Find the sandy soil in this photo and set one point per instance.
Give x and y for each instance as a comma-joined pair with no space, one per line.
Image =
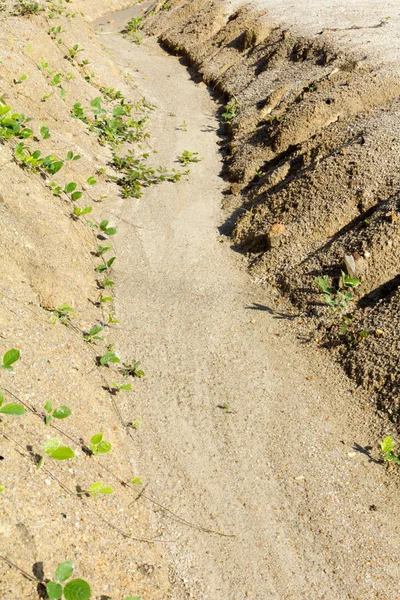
288,469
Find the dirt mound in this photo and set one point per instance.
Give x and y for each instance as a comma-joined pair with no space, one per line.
314,157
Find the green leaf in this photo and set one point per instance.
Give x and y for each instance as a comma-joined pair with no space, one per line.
1,398
63,453
96,487
132,598
54,590
64,570
71,187
12,409
104,447
48,419
11,357
77,589
62,412
70,155
51,445
96,439
388,444
107,490
40,463
136,481
109,357
95,330
75,196
91,181
48,407
44,132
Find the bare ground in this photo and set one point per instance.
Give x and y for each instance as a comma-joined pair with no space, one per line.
289,472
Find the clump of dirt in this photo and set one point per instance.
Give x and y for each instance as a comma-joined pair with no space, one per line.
314,157
50,65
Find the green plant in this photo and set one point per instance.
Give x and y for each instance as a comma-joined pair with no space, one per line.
75,589
61,412
133,25
387,446
72,156
230,110
118,387
2,488
104,228
189,157
183,126
111,319
91,181
73,52
92,335
9,358
136,481
63,312
106,283
103,249
54,449
21,79
134,424
26,7
105,266
34,160
105,298
132,369
109,357
11,408
45,132
13,124
80,212
98,445
336,299
99,488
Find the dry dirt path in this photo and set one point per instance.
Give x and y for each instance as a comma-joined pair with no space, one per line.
312,517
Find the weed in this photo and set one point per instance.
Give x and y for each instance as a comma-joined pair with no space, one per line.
336,299
387,446
231,110
11,408
109,357
9,358
21,79
34,161
104,228
189,157
80,212
26,7
45,132
99,488
103,249
133,25
61,412
64,312
132,369
105,266
118,387
54,449
75,589
13,124
136,481
98,445
93,336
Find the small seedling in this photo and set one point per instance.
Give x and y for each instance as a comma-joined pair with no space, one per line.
231,110
10,357
105,266
21,79
112,319
103,249
80,212
106,283
109,357
2,488
54,449
45,132
134,424
106,229
118,387
136,481
98,445
72,156
75,589
387,446
99,488
61,412
189,157
11,408
227,408
132,369
105,298
183,126
92,335
63,312
336,299
91,181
